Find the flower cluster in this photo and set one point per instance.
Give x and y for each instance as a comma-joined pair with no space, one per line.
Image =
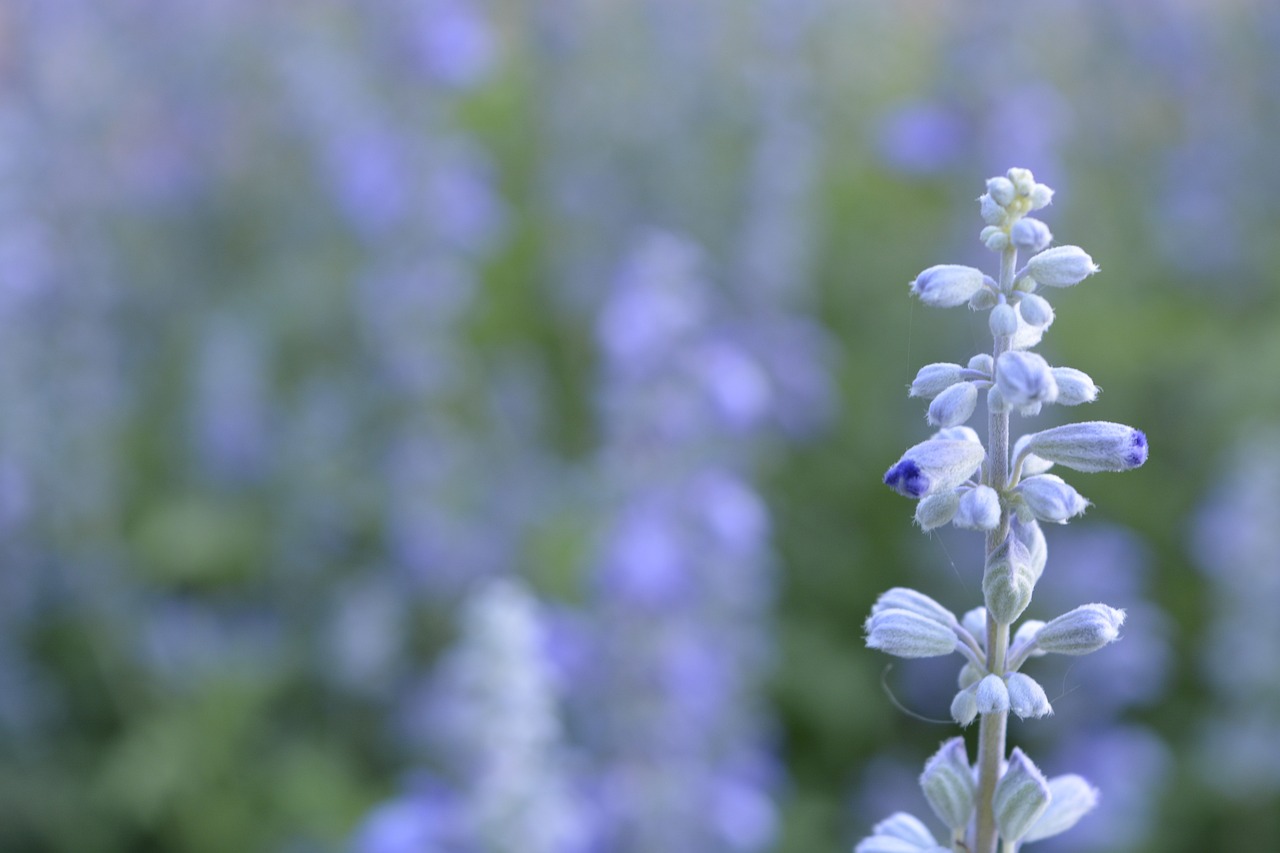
1006,490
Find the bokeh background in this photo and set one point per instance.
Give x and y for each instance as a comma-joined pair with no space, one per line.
457,425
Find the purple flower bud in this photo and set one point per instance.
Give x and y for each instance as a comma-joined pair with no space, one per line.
906,634
948,784
1072,797
1078,632
1091,446
949,285
1049,498
1061,266
954,406
978,509
1025,378
1026,697
1030,235
1021,797
933,466
932,379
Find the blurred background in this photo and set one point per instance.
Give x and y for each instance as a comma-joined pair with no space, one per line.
457,425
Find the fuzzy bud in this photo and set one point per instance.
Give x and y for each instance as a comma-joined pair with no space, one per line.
949,285
1023,181
1001,190
969,675
1025,378
932,379
903,827
1050,498
954,406
1078,632
996,401
933,466
1041,196
1027,697
1007,582
1061,266
958,433
964,707
937,509
1021,797
992,695
982,363
1026,636
994,238
906,634
1032,538
903,598
979,509
1030,235
1036,310
1003,320
983,300
1074,386
948,784
990,210
1072,797
975,621
1091,446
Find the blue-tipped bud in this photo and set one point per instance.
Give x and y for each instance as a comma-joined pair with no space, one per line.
992,695
932,379
1047,497
1025,378
937,509
1061,266
1091,446
948,784
1021,797
1071,798
933,466
954,406
906,634
904,827
1035,310
979,509
904,598
1030,235
1078,632
949,285
1026,697
964,707
1001,190
1074,386
1003,320
1007,582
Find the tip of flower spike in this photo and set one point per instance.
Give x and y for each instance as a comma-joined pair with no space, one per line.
1137,449
907,479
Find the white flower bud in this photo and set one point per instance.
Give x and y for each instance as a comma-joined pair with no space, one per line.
992,695
975,622
1078,632
1030,235
990,210
948,285
983,300
932,379
969,675
979,509
948,784
1026,636
1071,798
934,466
1041,196
1025,378
1091,446
1061,266
996,401
937,510
1032,538
1036,310
957,433
964,707
1002,190
982,362
954,406
1074,386
905,827
1050,498
1021,797
1007,581
1026,697
904,598
908,635
1023,181
995,239
1003,320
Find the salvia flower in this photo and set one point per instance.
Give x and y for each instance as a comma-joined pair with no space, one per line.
932,379
949,285
1025,378
1061,266
954,406
908,634
1022,796
937,509
1091,446
1074,386
1026,697
1035,310
948,784
1047,497
1078,632
992,695
1071,798
1008,581
1030,235
934,465
978,509
900,833
902,598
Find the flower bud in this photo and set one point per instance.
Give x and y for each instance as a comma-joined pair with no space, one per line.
1061,266
982,362
1008,581
948,785
990,210
1091,446
1026,697
932,379
1049,498
992,695
996,401
1027,335
1036,310
1074,386
964,707
908,635
1001,190
1026,636
983,300
975,622
1032,538
969,675
937,509
903,598
1030,235
954,406
979,509
1078,632
1003,320
1071,798
1021,797
994,239
1041,196
933,466
958,433
1025,378
904,827
1023,181
948,285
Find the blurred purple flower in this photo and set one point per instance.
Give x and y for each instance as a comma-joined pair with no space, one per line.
921,138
